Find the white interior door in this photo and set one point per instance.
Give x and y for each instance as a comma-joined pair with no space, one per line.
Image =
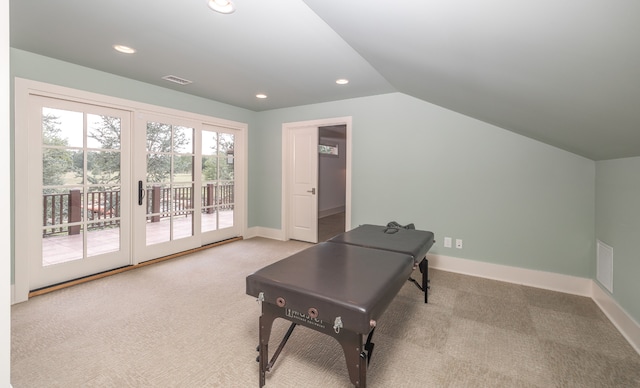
78,190
303,168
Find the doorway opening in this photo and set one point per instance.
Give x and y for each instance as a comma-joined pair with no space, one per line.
316,200
332,168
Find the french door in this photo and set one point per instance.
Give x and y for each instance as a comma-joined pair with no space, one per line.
79,190
186,185
102,185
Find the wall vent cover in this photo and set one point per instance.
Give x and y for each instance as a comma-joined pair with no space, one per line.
605,265
177,80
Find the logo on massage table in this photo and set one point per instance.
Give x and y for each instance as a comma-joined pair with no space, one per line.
304,318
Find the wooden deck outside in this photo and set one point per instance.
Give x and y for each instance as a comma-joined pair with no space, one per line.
60,249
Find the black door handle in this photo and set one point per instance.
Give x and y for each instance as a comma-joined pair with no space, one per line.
140,193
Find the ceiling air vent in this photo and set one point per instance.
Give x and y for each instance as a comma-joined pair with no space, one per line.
178,80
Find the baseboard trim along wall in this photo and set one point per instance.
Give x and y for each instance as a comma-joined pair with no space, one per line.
330,212
527,277
628,327
259,231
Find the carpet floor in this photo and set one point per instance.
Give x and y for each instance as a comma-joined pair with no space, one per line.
187,322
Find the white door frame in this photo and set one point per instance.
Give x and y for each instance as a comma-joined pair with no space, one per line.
286,173
23,88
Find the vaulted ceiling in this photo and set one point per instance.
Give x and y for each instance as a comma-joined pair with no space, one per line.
564,72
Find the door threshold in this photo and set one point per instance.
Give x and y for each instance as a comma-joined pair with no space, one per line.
86,279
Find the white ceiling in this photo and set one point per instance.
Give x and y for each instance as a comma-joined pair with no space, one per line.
565,72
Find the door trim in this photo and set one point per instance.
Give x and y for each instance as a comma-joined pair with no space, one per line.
286,159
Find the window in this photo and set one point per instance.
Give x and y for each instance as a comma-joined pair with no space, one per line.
328,149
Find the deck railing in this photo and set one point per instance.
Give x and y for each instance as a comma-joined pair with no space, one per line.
103,207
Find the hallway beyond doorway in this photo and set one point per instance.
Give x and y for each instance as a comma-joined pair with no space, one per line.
329,226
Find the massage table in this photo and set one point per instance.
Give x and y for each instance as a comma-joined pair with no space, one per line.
415,243
340,288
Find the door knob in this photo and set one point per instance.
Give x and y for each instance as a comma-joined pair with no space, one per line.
312,191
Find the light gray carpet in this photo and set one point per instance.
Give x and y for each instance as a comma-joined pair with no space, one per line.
187,322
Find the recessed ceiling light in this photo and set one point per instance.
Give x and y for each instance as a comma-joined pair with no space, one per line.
261,95
222,6
342,81
124,49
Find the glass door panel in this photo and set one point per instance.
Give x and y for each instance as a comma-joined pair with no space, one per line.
80,182
188,187
217,195
82,150
170,182
103,219
62,225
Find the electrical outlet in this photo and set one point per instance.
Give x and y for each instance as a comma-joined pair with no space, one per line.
459,243
447,242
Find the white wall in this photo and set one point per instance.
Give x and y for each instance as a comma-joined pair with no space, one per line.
5,199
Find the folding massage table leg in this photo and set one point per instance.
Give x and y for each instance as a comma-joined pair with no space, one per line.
356,352
424,286
424,268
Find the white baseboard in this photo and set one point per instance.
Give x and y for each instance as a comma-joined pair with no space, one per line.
627,326
17,297
330,212
259,231
528,277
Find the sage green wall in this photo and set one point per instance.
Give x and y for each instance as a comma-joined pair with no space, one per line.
513,200
618,225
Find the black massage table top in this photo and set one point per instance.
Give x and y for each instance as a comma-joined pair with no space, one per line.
415,243
337,280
